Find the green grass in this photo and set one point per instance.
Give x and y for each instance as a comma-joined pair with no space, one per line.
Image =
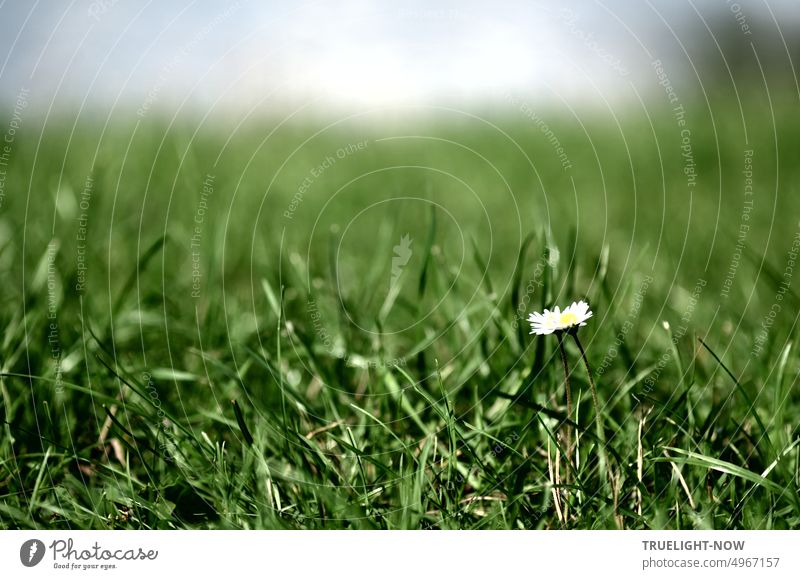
297,386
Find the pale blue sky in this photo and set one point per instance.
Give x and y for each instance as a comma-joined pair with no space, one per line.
160,54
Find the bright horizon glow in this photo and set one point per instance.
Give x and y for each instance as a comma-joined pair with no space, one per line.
356,53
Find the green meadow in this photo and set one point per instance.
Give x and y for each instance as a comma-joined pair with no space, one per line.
315,321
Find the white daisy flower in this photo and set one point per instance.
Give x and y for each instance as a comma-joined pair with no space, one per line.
557,321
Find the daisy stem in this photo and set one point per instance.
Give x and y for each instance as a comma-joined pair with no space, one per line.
598,414
591,381
568,429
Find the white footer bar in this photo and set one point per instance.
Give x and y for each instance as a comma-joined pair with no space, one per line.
379,554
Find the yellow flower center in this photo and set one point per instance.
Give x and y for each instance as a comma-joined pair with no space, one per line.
568,319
